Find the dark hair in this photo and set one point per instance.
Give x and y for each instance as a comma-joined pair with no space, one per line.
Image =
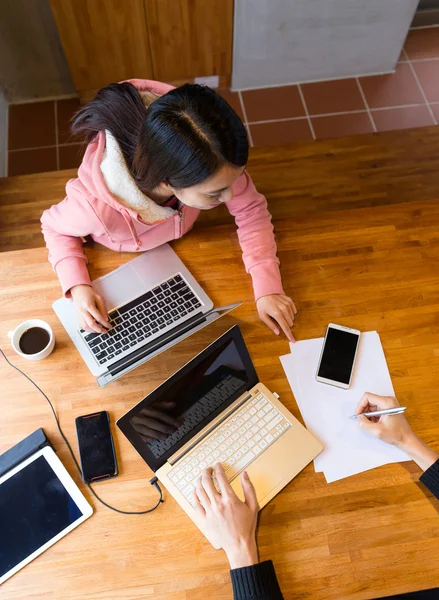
182,138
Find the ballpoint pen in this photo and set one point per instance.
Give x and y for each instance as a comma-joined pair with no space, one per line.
378,413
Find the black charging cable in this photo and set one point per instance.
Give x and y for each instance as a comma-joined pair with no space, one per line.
153,481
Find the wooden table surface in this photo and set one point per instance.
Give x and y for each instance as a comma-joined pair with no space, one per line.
357,225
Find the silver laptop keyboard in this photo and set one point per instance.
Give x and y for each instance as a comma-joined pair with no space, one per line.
235,444
200,411
140,320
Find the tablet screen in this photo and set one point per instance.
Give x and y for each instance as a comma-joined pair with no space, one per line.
34,508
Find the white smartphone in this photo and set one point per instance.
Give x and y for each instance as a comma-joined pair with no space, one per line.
337,359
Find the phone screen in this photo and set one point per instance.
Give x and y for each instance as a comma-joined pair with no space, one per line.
338,355
98,458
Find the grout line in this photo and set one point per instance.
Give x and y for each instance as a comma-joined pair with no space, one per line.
371,119
78,143
334,114
420,60
404,54
277,85
32,148
244,112
55,104
398,106
45,99
305,108
283,120
45,147
249,135
348,112
421,89
424,27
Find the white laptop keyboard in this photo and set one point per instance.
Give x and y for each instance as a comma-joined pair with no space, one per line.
235,444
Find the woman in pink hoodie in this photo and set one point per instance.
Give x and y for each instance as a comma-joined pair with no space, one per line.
156,156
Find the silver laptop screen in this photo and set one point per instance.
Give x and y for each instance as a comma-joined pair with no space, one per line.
181,407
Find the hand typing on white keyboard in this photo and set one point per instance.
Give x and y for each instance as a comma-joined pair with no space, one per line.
226,520
236,443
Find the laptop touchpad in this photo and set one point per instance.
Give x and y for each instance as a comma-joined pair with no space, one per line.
120,286
264,474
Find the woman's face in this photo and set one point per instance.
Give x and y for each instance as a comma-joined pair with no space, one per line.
213,192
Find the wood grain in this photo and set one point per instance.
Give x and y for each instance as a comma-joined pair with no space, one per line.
167,40
104,41
190,38
357,229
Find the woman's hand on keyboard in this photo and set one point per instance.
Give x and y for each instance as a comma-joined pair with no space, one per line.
90,308
277,310
226,520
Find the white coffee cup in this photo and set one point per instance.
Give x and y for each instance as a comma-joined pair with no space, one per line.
15,336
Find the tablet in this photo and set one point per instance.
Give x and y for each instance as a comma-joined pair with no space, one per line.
39,504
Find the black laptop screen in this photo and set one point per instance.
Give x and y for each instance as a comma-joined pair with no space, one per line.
164,421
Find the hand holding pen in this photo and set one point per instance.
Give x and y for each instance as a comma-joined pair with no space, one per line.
383,418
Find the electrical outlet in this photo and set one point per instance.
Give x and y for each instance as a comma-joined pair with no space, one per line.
212,81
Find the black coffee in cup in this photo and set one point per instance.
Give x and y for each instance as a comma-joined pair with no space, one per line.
34,340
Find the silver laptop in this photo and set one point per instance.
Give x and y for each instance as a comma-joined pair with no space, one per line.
153,301
215,409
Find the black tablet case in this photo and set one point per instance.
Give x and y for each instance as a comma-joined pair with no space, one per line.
18,453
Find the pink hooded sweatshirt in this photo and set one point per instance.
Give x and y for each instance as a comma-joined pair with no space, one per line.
104,202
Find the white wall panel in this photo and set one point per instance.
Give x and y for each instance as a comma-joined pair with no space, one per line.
289,41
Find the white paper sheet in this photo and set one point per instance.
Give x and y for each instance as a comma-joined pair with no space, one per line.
326,409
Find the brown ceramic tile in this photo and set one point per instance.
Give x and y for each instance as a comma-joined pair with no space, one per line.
341,125
65,111
31,125
273,103
428,74
422,43
280,133
341,95
435,109
402,118
233,99
70,157
38,160
395,89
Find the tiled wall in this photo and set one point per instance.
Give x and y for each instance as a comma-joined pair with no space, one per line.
407,98
39,138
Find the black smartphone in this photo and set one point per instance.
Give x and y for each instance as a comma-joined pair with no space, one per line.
338,355
96,447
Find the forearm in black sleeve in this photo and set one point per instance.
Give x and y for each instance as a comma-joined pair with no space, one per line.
430,478
258,582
